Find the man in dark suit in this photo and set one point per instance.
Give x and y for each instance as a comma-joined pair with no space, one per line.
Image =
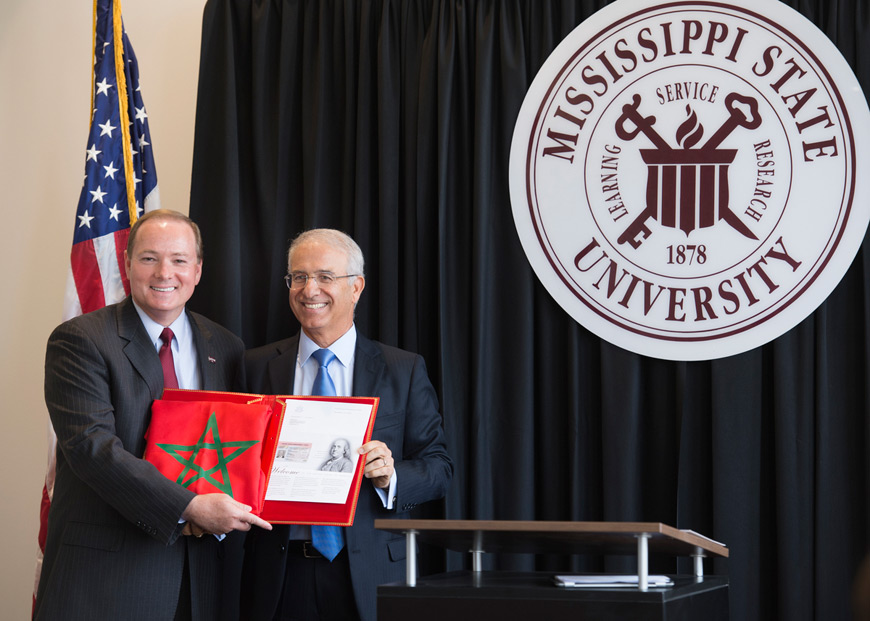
115,548
286,576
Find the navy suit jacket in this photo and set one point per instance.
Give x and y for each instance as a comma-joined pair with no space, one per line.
407,421
113,549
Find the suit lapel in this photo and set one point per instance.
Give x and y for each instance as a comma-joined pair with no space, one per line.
282,368
202,338
139,349
368,367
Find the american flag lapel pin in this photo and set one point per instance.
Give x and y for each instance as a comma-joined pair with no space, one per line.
211,359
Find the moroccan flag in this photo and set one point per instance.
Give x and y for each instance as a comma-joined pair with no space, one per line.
211,446
120,183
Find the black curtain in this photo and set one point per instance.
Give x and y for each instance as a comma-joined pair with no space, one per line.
392,120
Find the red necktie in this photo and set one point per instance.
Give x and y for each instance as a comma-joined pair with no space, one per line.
166,361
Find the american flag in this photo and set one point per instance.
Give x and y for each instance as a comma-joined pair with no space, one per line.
120,184
120,180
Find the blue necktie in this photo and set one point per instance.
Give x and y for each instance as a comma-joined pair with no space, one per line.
328,540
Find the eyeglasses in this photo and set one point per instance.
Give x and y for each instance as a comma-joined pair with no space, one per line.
298,280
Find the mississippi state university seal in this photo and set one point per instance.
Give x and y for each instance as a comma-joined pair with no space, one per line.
685,177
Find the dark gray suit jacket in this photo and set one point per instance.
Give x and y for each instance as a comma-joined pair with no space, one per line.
407,421
113,549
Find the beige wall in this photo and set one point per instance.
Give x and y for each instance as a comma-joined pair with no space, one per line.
45,74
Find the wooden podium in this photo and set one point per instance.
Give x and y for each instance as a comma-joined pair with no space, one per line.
519,595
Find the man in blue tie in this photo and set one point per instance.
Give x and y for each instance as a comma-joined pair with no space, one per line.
295,572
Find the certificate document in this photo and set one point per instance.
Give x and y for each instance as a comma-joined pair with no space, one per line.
316,454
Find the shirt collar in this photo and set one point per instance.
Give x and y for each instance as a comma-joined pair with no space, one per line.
180,327
343,348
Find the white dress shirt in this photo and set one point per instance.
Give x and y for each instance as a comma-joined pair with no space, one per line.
183,347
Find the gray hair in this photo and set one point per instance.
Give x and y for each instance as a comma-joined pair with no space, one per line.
338,240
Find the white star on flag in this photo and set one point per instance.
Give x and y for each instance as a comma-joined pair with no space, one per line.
97,194
107,129
85,220
103,87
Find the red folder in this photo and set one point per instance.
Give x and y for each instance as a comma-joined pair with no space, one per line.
239,418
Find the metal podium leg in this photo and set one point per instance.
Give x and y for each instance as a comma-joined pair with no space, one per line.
643,561
411,558
477,553
698,558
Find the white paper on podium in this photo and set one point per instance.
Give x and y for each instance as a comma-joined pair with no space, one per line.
609,580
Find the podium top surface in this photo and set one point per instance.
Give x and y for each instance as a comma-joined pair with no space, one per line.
555,537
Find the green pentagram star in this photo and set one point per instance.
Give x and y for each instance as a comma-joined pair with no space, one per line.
175,450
